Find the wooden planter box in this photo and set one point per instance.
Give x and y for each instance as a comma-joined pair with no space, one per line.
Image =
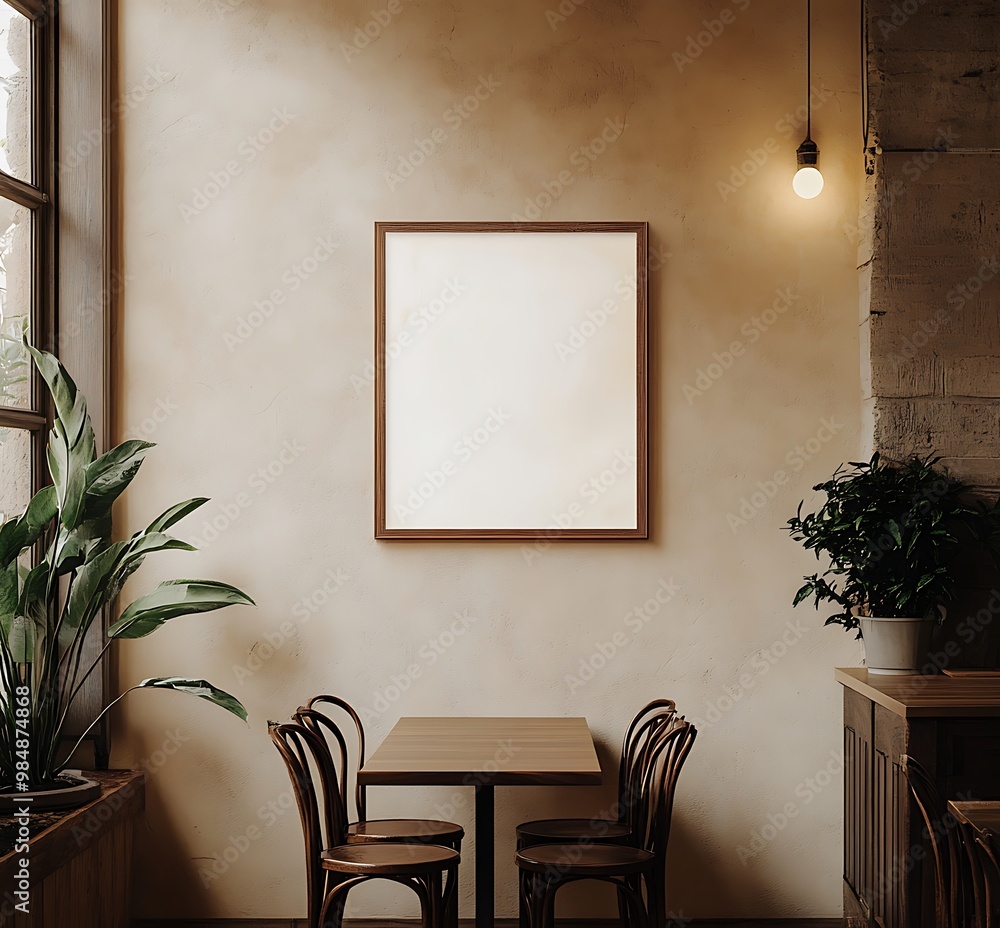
80,861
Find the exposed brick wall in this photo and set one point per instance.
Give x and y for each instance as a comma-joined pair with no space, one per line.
930,250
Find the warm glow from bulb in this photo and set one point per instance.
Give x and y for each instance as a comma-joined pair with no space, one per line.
808,182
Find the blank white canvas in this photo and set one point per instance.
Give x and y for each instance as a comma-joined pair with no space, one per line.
511,390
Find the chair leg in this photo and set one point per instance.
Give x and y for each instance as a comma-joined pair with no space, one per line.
523,895
450,898
536,900
549,904
332,913
624,909
656,898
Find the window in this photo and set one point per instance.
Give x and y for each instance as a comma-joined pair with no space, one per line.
57,138
27,254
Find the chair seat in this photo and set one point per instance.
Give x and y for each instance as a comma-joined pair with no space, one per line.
583,859
395,859
563,830
404,831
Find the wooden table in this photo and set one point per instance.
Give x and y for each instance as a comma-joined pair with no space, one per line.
485,753
984,817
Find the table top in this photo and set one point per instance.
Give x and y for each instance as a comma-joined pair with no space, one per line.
983,816
926,696
487,751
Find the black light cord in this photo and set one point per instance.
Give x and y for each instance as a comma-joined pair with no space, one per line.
809,69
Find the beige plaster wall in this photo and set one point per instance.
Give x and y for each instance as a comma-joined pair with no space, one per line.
254,169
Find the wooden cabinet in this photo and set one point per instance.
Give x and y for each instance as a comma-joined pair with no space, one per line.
79,862
952,727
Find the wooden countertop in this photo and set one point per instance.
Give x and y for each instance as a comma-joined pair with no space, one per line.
920,696
495,751
58,837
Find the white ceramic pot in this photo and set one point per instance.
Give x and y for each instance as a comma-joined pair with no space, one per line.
896,646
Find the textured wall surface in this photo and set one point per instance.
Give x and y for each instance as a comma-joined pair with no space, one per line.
935,273
931,260
269,137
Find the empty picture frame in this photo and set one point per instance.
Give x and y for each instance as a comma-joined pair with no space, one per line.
511,380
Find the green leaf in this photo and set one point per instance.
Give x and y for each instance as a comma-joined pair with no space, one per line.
175,513
100,579
81,544
200,688
894,531
173,599
804,593
21,640
8,589
111,473
16,535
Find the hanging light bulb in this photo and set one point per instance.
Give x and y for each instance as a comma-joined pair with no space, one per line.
808,181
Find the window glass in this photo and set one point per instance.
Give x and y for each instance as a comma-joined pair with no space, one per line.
15,302
15,93
15,472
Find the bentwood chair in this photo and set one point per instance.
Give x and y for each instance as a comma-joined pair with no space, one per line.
319,716
606,830
636,869
986,844
333,867
955,886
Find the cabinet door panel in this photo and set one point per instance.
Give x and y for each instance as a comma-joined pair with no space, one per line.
857,793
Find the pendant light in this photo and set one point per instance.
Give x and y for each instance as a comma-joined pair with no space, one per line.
808,182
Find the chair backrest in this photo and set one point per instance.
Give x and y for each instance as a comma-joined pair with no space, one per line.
668,748
952,893
318,797
635,747
332,707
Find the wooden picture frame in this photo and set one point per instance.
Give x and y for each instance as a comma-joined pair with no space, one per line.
511,380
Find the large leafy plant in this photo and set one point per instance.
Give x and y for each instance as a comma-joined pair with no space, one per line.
59,570
893,532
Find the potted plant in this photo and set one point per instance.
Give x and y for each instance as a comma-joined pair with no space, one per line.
893,532
59,570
